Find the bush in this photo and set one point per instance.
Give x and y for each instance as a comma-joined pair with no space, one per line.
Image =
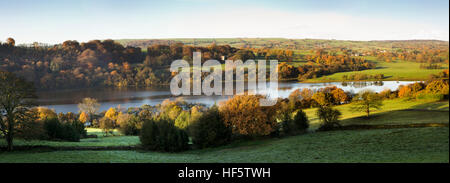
56,130
210,130
162,135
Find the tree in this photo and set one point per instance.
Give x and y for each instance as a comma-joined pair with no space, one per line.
245,116
11,42
46,113
111,114
107,125
183,120
323,98
16,99
209,130
83,117
89,106
329,117
366,100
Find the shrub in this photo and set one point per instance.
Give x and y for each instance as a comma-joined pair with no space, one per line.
61,131
210,130
329,117
162,135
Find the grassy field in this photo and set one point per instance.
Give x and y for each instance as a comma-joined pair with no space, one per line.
387,145
428,144
396,111
393,71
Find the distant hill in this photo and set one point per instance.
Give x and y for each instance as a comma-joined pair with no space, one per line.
297,44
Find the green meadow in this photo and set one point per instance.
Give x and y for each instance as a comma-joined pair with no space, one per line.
393,71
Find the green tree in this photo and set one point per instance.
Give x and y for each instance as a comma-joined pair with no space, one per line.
329,117
16,99
366,100
183,120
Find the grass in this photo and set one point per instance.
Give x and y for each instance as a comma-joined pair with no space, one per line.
101,141
393,145
393,112
429,144
393,71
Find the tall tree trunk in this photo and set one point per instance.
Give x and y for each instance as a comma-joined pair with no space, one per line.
367,111
9,140
10,134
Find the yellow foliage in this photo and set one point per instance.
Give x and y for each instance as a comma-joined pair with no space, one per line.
83,117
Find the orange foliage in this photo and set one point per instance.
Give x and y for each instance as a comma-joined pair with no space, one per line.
246,117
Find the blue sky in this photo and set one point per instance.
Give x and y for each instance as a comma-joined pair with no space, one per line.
53,21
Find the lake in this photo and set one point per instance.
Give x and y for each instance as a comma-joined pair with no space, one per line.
67,100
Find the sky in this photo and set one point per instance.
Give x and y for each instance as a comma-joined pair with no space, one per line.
54,21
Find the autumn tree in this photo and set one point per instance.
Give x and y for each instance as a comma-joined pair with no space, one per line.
365,101
112,114
16,99
89,106
45,113
10,42
84,117
245,116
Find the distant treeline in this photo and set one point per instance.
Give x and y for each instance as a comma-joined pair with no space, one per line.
108,63
324,63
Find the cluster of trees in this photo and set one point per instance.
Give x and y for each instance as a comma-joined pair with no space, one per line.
108,63
424,54
282,55
361,76
332,95
323,63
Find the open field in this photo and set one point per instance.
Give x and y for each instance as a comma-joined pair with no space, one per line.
393,112
393,71
428,144
387,145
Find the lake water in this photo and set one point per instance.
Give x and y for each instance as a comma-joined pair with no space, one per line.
67,100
